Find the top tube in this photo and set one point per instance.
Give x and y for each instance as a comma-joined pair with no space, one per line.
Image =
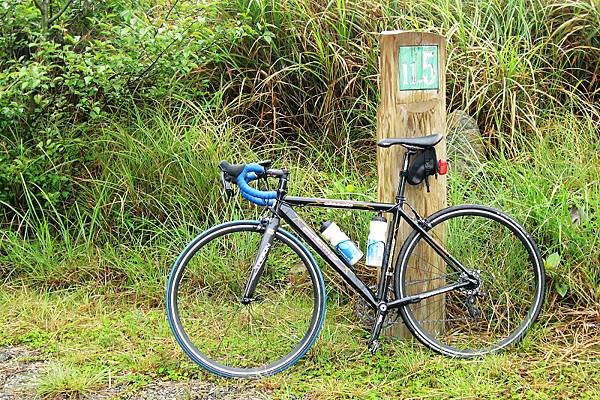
341,204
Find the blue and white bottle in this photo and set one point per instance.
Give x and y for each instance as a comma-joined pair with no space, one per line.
342,243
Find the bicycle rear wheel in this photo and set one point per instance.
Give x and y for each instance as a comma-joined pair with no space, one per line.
232,339
477,320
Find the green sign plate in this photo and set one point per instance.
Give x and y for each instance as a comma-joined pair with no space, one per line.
418,67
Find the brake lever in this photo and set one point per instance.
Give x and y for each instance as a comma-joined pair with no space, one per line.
263,183
226,185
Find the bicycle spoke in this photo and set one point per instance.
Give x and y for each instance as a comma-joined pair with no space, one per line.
479,317
245,335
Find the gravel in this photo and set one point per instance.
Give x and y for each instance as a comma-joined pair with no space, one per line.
20,366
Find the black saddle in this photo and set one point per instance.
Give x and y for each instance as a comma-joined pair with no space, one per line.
414,143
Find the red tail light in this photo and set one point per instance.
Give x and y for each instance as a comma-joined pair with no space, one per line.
442,167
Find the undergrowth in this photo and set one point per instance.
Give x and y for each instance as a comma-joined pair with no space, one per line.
114,120
156,186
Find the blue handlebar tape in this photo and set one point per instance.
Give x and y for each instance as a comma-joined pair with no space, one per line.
257,201
259,197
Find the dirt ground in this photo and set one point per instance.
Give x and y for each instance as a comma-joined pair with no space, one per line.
20,367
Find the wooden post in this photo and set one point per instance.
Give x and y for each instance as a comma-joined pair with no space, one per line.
413,103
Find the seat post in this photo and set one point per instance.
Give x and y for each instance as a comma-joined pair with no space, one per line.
402,185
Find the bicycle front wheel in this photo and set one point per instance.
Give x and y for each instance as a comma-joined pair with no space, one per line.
232,339
482,318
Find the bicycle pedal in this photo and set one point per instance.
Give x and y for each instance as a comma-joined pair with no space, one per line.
373,346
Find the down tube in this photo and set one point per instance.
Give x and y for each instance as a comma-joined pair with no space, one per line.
310,236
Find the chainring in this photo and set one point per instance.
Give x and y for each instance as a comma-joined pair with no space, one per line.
366,315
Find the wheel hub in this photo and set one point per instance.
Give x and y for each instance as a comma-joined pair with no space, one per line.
475,282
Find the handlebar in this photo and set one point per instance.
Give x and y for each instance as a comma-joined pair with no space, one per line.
252,172
243,174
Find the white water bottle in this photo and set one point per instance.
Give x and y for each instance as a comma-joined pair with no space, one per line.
342,243
376,241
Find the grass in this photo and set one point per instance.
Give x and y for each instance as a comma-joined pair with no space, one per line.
68,381
156,186
525,69
555,175
97,338
87,288
509,62
94,302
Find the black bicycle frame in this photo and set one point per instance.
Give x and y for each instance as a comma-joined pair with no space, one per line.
343,268
283,209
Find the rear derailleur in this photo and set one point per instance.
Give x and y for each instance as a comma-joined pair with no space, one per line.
472,292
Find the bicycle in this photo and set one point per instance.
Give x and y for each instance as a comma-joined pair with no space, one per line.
247,298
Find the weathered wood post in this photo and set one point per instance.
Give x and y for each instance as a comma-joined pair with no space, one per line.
413,103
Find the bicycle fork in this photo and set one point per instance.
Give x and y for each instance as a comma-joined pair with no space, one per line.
259,261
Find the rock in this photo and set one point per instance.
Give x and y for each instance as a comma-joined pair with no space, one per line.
19,366
578,215
196,390
466,146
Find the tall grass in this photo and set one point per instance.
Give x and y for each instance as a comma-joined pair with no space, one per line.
314,64
156,185
298,83
153,186
552,186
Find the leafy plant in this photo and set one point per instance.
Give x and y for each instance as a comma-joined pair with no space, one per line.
38,169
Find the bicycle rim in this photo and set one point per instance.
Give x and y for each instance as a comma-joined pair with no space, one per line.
232,339
482,319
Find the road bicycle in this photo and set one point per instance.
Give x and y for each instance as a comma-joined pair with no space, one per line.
247,298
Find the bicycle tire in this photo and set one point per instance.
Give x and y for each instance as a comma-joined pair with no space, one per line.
469,323
198,331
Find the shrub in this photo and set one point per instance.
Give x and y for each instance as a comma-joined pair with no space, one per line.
35,174
69,76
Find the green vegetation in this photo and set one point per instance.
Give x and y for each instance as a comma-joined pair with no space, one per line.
114,115
121,339
68,380
558,175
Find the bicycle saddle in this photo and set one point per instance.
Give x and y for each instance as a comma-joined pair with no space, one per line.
417,142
